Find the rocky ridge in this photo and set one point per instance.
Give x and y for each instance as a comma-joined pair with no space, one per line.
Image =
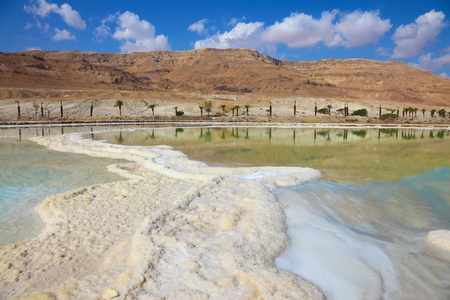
228,72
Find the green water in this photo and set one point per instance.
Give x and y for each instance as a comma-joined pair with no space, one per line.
345,155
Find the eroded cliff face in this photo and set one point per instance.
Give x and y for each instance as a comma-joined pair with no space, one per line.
231,71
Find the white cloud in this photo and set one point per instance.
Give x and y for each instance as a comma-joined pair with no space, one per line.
103,31
361,28
444,75
32,48
426,62
411,39
301,30
138,35
61,35
198,27
71,17
42,9
382,51
28,26
234,21
242,35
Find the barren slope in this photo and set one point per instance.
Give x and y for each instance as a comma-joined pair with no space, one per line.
231,71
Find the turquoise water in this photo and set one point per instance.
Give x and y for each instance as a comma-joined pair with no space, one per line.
368,241
29,173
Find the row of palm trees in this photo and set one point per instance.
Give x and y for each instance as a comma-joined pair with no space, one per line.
207,106
412,112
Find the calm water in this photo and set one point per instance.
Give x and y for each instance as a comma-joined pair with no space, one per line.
29,173
360,232
341,154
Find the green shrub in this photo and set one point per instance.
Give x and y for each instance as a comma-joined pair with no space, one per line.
180,113
389,117
323,110
360,112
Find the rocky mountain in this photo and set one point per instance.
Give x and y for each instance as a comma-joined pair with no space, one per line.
231,71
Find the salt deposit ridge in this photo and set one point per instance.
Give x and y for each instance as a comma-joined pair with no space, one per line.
175,228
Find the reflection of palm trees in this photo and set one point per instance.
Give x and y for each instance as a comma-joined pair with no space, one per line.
293,136
208,136
323,133
269,132
235,132
119,139
246,134
223,133
150,136
178,130
360,133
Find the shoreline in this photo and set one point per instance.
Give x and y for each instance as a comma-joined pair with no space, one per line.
208,213
336,123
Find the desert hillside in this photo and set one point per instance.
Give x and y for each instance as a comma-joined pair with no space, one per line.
231,72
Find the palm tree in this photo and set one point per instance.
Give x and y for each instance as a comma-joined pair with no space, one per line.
223,109
152,107
423,111
233,109
442,113
432,112
329,108
208,106
415,111
119,104
176,109
18,109
247,106
201,109
36,108
237,109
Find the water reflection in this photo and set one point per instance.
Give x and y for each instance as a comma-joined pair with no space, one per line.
362,155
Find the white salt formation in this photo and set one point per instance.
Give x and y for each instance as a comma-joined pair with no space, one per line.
175,229
440,238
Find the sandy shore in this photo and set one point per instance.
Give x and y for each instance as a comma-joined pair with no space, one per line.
175,228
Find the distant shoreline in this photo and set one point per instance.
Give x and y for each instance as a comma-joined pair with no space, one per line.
306,121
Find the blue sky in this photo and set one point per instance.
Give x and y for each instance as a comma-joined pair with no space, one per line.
416,32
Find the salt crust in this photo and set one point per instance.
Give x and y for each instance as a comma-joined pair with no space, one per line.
440,238
176,228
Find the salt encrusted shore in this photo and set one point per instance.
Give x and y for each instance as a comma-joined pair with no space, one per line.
175,228
440,238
